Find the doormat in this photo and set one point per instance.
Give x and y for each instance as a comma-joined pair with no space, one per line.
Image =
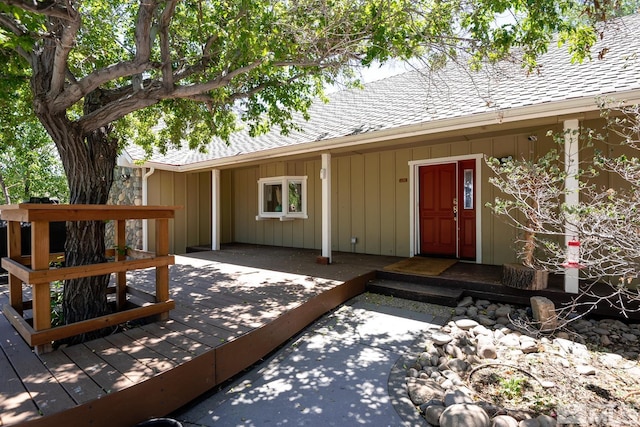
421,266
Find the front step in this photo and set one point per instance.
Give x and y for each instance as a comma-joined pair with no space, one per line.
415,291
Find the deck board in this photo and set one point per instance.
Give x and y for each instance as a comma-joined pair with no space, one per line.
15,401
124,362
105,375
160,345
78,384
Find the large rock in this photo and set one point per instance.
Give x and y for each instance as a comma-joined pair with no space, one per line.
485,348
504,421
422,390
544,312
464,414
433,413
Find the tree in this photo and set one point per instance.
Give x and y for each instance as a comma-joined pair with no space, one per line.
606,220
29,165
164,73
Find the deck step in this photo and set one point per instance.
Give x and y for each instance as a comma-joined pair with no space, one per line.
415,291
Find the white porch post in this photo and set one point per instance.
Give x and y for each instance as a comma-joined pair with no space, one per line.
571,161
325,176
145,201
215,209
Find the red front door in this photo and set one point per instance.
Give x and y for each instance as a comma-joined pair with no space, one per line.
437,216
447,210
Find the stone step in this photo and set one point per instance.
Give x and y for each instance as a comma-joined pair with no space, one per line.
415,291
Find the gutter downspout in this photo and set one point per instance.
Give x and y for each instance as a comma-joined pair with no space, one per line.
145,197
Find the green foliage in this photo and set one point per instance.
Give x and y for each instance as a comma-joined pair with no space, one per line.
263,61
29,165
512,388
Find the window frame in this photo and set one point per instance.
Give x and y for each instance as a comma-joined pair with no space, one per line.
285,214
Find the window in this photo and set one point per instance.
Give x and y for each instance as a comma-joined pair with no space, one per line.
468,189
283,197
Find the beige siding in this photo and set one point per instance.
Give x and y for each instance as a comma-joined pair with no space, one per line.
388,203
371,203
370,198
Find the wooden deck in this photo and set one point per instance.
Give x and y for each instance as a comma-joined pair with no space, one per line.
227,317
233,307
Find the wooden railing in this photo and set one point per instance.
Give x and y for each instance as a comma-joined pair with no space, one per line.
35,270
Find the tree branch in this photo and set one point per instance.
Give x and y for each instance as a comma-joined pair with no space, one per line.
51,8
165,49
74,92
221,81
70,27
13,27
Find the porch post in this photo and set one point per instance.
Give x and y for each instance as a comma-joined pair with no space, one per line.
215,210
145,201
571,161
325,176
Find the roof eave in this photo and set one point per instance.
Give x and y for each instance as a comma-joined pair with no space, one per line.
569,107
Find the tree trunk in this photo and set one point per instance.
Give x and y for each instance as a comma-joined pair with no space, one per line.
523,277
89,162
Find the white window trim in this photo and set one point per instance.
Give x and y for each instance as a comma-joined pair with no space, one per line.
285,215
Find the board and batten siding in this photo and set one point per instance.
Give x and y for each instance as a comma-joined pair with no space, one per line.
370,199
192,191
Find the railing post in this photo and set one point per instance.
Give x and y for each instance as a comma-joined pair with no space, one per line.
41,291
121,254
14,252
162,273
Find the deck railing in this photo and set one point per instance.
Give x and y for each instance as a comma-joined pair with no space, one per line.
35,270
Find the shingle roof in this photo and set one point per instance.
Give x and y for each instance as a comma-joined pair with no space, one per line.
415,97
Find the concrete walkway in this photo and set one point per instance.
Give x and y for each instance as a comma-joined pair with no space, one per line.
347,368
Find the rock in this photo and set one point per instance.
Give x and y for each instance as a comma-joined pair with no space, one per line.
454,351
456,396
610,360
421,391
504,421
481,330
433,413
466,302
463,414
586,370
544,312
531,422
472,311
485,348
630,337
456,365
529,347
546,421
503,311
491,410
502,321
466,323
459,311
510,340
486,320
440,338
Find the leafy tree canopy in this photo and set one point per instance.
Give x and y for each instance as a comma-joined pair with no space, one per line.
254,60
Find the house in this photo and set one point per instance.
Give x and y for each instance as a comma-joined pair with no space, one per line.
394,169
